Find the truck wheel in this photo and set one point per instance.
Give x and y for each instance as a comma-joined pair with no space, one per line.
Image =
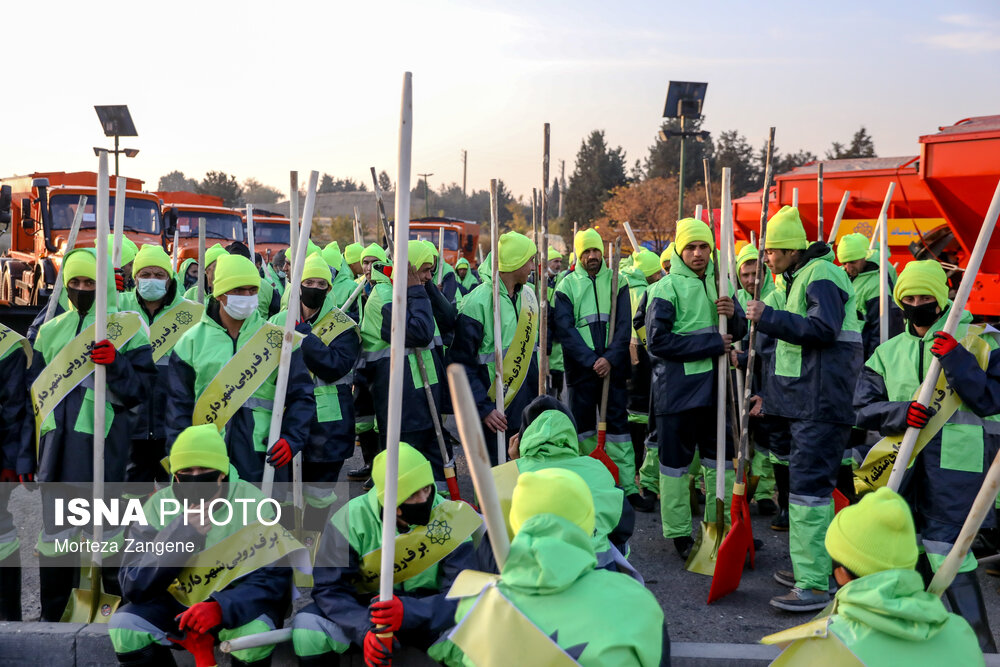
6,285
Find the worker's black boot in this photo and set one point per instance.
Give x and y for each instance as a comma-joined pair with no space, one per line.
966,599
56,578
154,655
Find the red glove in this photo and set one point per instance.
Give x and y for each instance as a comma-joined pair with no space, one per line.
201,646
917,415
386,615
943,344
280,454
200,617
119,280
26,478
378,652
103,353
8,475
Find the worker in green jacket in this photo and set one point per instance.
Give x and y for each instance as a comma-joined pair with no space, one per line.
882,615
466,278
548,439
224,369
330,350
645,271
948,471
581,323
352,255
157,298
665,257
422,337
428,559
817,360
474,345
187,274
62,448
212,254
342,285
189,601
682,336
550,600
861,265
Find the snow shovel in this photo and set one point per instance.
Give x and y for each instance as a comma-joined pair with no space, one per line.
93,605
738,544
600,453
706,547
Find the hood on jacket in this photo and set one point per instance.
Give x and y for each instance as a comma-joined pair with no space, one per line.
893,602
540,405
634,277
547,556
551,436
678,267
817,250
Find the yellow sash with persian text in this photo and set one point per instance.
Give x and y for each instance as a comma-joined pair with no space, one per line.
517,359
332,325
253,547
874,470
9,338
166,330
240,377
450,524
72,365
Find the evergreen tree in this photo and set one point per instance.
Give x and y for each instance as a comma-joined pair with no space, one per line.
599,169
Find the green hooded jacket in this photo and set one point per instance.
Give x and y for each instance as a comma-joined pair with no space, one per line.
887,618
551,442
598,617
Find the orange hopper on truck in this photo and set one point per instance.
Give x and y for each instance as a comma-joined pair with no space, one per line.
940,200
41,207
184,211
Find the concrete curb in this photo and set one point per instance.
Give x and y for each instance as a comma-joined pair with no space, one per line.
80,645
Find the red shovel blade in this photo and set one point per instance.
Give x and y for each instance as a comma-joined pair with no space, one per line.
733,551
601,455
840,501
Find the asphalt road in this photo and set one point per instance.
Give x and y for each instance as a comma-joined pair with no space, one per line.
742,617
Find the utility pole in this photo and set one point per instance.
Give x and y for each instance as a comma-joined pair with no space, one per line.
465,164
427,198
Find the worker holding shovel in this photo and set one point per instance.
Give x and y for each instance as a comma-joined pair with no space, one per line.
474,345
961,435
64,416
581,320
817,359
432,546
684,344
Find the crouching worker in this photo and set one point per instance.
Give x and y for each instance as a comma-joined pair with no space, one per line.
548,439
166,608
432,547
550,601
882,615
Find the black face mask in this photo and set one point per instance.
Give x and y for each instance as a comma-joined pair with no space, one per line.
189,281
313,297
197,488
417,514
923,315
82,300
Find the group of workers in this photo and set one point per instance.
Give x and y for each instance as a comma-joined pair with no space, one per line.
191,389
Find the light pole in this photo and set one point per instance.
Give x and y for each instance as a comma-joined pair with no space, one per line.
117,122
427,198
684,100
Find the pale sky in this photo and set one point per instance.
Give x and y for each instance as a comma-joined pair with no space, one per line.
259,88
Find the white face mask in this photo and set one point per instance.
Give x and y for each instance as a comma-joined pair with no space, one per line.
151,289
240,307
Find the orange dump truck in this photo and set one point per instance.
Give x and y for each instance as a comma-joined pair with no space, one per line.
936,211
183,212
460,236
42,206
271,232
